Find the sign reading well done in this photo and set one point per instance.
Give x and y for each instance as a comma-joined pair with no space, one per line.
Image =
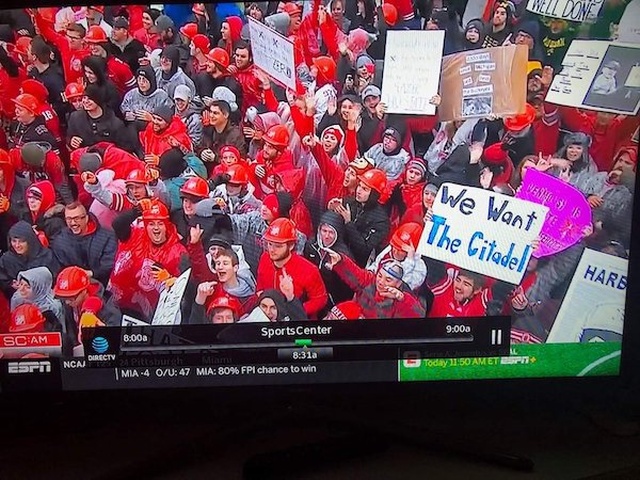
482,231
411,74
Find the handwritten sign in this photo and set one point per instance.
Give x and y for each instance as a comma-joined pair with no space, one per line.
593,308
485,81
598,75
482,231
571,10
273,53
168,310
128,321
411,74
569,212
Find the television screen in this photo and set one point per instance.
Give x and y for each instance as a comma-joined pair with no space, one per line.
279,193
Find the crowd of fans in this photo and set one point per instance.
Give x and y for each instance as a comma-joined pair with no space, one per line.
138,144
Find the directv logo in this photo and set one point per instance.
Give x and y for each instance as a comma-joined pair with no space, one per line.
100,344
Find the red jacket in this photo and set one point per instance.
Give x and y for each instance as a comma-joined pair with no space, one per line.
605,138
71,59
51,121
10,89
282,163
53,169
374,306
444,304
132,282
113,158
158,143
293,182
415,213
151,41
308,285
331,172
120,74
251,87
546,131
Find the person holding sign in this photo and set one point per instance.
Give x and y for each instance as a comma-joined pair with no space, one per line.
149,257
382,294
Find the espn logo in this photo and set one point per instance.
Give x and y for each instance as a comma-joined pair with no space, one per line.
33,366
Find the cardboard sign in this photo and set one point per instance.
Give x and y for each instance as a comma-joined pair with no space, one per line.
481,82
411,74
273,53
168,309
593,308
569,212
482,231
570,10
599,75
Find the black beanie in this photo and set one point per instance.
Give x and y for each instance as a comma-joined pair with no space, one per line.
94,92
148,73
172,163
285,201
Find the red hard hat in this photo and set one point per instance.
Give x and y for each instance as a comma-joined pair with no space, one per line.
281,230
26,318
219,56
407,234
189,30
96,34
35,88
390,14
375,179
22,45
201,42
196,187
519,122
28,101
238,174
223,301
138,176
277,136
292,9
74,90
326,66
70,282
157,211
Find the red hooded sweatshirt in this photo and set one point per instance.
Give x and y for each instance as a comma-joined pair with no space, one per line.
307,281
132,281
293,181
282,163
158,143
235,28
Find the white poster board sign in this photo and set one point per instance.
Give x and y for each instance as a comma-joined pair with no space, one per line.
482,231
168,309
571,10
629,26
128,321
593,308
273,53
411,74
599,75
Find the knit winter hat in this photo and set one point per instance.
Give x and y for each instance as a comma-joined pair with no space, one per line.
349,310
223,93
360,165
90,162
334,130
230,149
394,133
33,153
577,138
182,92
475,24
430,187
94,92
172,163
165,112
419,165
531,28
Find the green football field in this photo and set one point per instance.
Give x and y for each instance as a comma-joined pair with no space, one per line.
526,360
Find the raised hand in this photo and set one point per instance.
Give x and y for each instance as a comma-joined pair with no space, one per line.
332,257
89,177
205,290
195,234
286,285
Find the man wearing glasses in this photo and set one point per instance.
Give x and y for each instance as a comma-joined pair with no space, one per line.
85,243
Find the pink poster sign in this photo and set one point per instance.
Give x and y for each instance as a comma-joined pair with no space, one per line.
569,212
